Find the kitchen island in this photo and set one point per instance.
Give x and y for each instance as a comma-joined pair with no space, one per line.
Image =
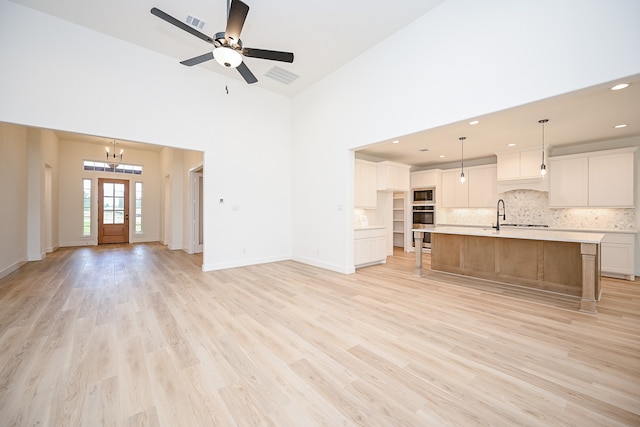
554,261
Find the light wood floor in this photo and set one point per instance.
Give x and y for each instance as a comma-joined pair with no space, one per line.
138,335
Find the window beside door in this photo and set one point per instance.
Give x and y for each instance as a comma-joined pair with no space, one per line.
138,224
86,208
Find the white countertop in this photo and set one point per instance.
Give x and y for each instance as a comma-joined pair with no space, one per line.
517,233
579,230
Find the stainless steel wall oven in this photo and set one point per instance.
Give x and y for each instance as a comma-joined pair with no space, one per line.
424,216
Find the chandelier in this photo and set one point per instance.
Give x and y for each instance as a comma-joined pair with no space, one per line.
114,156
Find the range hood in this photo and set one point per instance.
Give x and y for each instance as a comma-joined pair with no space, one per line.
520,170
537,184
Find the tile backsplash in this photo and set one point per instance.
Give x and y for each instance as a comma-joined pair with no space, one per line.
532,207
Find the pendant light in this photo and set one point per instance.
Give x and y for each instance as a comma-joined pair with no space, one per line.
543,167
462,138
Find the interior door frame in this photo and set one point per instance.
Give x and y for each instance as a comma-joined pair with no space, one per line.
196,202
102,239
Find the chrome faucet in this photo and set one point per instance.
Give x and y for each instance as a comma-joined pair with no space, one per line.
504,214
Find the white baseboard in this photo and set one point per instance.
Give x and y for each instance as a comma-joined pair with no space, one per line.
326,266
11,268
38,257
243,263
78,243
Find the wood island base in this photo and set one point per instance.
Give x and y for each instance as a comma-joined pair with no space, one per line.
570,268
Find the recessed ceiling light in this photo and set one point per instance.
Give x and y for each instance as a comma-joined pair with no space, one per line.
474,122
620,126
620,86
396,141
513,144
441,156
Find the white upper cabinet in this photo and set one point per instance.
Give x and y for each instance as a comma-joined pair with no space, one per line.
569,177
596,179
392,176
519,165
454,193
365,179
611,179
424,179
530,162
478,191
483,191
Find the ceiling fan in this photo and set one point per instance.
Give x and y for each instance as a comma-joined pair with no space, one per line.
228,49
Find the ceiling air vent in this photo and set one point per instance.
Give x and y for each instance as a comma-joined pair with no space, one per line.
195,22
281,75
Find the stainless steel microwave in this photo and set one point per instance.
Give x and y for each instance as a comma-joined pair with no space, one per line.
424,196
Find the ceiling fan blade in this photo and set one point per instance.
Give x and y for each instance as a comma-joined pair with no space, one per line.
198,59
273,55
173,21
237,14
246,73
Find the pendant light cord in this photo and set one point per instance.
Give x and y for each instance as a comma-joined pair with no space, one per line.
543,121
462,138
543,167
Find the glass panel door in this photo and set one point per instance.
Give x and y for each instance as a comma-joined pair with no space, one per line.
113,200
113,215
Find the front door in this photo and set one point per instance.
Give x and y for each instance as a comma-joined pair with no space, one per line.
113,211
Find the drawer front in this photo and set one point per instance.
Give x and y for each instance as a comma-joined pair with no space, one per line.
368,234
621,238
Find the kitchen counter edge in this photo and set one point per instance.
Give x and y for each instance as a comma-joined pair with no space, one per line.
528,234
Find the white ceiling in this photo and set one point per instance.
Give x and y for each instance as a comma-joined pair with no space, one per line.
322,34
325,34
587,115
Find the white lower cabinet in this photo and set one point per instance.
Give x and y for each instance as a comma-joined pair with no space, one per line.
617,256
370,246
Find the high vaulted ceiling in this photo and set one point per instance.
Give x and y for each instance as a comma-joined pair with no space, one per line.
322,34
325,34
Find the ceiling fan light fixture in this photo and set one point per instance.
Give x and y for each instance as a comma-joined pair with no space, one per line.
227,57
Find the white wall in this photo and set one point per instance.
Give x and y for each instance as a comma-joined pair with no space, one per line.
42,155
50,146
464,59
13,193
192,160
81,81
